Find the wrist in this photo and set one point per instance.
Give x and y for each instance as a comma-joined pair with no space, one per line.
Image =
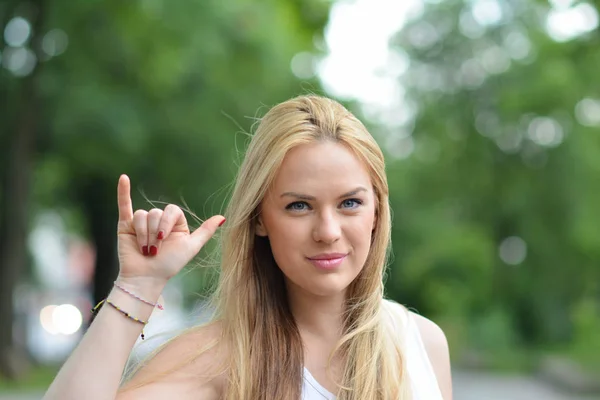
143,286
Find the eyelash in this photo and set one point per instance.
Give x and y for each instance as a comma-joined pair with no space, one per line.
291,205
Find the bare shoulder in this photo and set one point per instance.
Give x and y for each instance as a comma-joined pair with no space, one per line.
433,336
437,349
189,366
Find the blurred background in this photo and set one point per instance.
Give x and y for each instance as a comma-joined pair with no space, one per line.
488,111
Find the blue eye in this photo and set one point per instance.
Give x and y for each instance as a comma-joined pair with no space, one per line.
351,203
297,206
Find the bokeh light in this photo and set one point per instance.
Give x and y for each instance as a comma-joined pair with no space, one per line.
55,42
566,24
65,319
17,32
513,250
587,112
19,60
46,319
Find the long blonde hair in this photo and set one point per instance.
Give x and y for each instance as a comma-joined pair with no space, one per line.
265,351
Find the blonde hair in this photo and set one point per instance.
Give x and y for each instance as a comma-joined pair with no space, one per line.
264,345
264,348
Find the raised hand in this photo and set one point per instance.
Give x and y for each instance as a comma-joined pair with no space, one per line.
153,246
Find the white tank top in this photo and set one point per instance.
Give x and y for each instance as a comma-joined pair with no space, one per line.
422,377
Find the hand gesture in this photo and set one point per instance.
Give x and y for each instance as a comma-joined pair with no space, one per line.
155,245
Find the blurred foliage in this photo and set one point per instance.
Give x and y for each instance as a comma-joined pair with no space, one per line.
37,380
504,143
145,88
162,91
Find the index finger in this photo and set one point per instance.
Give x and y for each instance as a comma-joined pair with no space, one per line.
124,199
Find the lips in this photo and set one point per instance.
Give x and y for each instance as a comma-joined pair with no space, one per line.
328,256
328,261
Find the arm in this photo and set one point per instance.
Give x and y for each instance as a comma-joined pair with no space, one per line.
180,370
94,369
187,367
436,346
153,247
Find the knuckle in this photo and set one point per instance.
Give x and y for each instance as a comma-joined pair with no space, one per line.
173,211
140,213
168,213
155,212
172,208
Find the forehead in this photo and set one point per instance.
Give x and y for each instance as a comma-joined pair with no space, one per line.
321,166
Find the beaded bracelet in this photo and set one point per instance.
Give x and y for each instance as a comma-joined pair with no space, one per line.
125,313
160,307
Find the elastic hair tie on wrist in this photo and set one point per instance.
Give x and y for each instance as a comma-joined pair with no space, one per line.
159,306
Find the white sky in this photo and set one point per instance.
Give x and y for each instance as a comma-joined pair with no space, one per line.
360,66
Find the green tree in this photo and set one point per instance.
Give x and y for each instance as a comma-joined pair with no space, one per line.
147,89
504,146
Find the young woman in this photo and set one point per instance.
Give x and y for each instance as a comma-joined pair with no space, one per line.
300,312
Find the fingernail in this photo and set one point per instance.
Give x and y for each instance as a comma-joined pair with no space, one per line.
153,250
145,250
222,222
161,234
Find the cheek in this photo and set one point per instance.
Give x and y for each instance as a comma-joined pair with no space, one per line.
361,233
285,235
287,249
367,221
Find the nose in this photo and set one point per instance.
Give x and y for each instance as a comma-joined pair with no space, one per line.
327,228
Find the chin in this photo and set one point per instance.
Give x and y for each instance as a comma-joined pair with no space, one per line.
327,289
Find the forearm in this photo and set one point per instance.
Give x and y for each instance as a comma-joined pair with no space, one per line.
94,369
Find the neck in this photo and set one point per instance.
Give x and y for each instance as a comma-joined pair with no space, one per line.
320,316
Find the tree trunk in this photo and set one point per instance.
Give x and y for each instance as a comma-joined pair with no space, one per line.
98,197
14,216
14,211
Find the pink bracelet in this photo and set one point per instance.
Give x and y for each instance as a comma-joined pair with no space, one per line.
160,307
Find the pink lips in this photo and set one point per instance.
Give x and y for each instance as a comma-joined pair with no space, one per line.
327,261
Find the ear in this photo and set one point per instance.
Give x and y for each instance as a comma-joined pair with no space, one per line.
260,229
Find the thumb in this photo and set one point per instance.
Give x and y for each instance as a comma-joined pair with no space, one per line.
208,228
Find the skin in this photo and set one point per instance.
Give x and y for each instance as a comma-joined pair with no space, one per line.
306,212
93,370
436,346
309,211
321,201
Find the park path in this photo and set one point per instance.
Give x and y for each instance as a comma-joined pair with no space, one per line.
485,386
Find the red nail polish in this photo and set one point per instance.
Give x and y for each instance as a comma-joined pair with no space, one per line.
161,235
153,250
222,222
145,250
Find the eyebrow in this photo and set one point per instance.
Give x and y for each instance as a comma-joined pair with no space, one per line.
307,197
